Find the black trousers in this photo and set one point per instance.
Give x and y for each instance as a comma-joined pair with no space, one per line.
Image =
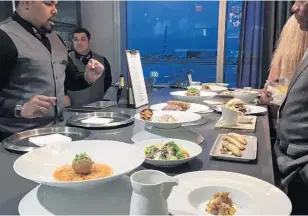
298,192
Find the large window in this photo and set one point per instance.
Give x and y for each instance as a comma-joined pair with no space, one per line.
179,36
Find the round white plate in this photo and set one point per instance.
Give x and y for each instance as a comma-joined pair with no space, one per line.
251,109
39,165
112,198
251,196
217,89
181,117
193,150
204,95
156,133
195,108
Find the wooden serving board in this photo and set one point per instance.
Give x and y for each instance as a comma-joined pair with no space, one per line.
248,127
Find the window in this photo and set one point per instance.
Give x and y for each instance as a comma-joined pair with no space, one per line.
179,36
233,28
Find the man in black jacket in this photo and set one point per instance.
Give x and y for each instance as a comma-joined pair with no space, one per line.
34,68
291,147
80,57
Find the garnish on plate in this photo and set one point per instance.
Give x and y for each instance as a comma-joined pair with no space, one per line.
146,114
221,204
237,105
82,168
192,92
167,151
233,144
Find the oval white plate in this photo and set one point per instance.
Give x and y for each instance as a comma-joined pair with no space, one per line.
204,95
100,200
39,165
193,150
252,196
181,117
251,109
195,108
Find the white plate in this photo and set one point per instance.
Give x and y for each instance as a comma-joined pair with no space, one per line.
193,150
39,165
252,196
181,117
112,198
217,89
195,108
251,109
213,88
249,154
204,95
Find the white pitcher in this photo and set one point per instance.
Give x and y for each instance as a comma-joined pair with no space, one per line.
151,190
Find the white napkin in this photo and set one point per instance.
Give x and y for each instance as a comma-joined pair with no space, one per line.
97,120
49,139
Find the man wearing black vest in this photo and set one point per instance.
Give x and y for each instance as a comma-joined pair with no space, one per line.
80,57
34,68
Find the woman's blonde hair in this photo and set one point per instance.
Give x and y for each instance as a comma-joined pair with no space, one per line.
290,50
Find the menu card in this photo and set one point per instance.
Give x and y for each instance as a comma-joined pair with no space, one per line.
136,78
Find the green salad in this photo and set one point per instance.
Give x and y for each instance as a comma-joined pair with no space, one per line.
193,92
167,151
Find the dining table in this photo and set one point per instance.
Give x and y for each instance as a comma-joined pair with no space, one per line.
13,187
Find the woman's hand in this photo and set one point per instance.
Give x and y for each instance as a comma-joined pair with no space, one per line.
266,96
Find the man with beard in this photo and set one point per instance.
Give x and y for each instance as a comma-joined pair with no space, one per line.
80,57
291,147
34,68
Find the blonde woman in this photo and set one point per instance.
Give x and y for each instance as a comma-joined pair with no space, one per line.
292,45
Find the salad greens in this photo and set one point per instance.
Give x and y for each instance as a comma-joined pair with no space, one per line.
167,151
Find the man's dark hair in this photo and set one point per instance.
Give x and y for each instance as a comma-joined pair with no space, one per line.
83,30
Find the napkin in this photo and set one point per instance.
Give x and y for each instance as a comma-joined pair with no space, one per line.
96,120
49,139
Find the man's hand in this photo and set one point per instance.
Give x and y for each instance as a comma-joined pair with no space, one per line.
94,70
67,101
37,106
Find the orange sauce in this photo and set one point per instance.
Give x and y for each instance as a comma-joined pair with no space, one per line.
66,173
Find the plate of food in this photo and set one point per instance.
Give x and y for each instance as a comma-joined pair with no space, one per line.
164,152
193,95
239,106
166,119
213,87
181,106
79,164
226,193
226,94
234,146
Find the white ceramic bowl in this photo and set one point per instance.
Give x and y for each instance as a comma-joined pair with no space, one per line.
192,148
245,95
181,117
39,165
204,95
195,108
